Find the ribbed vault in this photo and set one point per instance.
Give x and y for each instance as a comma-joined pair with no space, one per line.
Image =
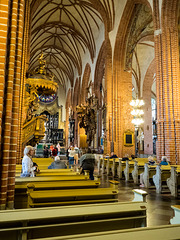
63,30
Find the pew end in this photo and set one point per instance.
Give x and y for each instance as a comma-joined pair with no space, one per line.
114,184
176,218
139,195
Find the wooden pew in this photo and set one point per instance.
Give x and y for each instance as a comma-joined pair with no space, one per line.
176,218
99,165
149,172
53,173
104,165
128,169
121,167
70,197
162,173
21,198
67,170
50,222
174,181
138,169
165,232
51,179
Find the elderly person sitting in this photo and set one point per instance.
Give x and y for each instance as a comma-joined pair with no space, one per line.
57,164
164,161
27,163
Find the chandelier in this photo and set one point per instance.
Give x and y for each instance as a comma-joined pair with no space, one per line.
137,112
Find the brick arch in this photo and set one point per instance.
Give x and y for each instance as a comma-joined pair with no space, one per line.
121,38
122,81
85,82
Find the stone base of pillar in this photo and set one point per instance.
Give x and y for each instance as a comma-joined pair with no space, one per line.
10,205
2,206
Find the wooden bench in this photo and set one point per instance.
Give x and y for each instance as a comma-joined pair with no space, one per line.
53,173
149,172
21,198
165,232
128,169
104,165
67,170
174,181
55,221
70,197
51,179
176,218
99,165
162,173
138,168
121,167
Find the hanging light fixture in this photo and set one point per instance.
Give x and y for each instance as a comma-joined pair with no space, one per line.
137,112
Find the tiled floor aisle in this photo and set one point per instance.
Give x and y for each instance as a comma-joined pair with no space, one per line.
159,211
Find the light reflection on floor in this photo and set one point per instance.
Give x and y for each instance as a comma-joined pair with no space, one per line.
159,211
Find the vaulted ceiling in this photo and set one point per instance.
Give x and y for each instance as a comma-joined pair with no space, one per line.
64,30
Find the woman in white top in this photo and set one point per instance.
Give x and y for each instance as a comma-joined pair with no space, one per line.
72,153
27,163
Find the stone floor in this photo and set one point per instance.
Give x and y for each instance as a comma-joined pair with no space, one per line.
159,211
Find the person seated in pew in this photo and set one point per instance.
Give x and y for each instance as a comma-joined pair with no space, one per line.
125,158
113,155
150,162
87,162
57,164
164,161
27,163
133,157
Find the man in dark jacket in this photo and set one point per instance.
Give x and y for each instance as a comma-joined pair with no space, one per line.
87,162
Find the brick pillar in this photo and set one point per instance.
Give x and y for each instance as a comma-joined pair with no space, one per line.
4,7
13,11
147,85
26,37
168,85
123,110
109,97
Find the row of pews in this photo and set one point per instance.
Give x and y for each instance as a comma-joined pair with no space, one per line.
161,176
62,202
58,187
70,206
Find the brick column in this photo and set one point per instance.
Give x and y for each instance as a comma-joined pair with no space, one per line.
168,85
24,66
4,7
109,96
147,85
14,33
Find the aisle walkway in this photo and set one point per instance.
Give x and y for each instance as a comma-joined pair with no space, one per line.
159,210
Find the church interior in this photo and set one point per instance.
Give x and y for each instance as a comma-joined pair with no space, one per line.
90,75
